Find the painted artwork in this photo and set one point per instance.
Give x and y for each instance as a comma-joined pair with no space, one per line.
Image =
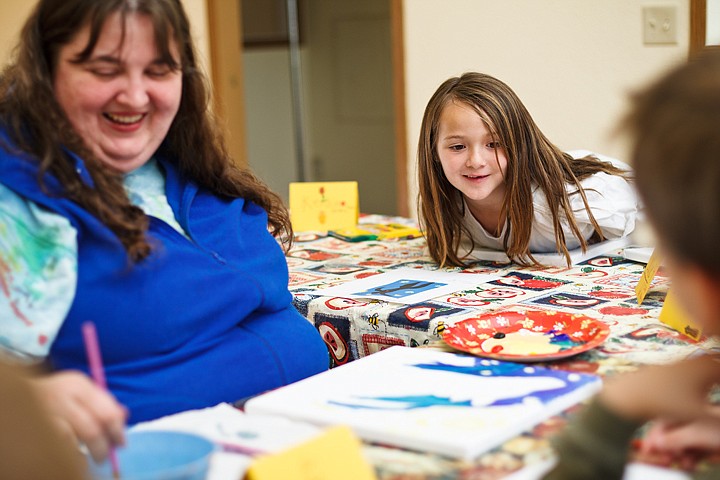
530,281
406,285
400,288
234,431
428,400
568,301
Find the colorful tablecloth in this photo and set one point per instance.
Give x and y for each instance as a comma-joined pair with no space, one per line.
601,288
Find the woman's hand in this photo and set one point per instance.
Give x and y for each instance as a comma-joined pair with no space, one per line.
82,409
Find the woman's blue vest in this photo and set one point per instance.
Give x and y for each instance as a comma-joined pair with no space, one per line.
200,321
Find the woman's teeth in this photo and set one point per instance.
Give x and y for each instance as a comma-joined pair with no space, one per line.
124,119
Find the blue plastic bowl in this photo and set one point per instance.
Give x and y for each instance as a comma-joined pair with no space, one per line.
159,455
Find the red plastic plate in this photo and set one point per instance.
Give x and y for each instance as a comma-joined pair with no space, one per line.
526,336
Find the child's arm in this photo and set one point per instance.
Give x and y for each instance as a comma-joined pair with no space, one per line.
595,445
685,443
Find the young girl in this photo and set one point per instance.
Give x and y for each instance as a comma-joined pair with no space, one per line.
489,178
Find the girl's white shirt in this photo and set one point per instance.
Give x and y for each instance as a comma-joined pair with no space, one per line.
612,200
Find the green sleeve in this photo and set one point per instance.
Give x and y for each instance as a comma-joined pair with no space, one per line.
712,473
594,445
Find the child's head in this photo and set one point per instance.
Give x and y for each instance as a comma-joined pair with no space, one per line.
675,129
477,110
500,110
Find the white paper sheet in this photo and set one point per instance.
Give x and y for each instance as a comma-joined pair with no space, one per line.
557,259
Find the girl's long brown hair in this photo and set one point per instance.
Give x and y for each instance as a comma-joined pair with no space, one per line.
531,160
37,124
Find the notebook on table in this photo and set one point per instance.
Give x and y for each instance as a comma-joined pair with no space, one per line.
428,400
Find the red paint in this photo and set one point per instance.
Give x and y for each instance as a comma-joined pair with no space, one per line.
620,310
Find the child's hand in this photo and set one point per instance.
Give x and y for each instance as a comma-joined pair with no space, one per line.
677,392
683,442
89,413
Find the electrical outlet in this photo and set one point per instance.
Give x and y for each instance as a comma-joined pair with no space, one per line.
660,25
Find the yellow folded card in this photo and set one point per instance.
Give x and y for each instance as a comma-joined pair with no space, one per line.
673,316
647,276
334,454
323,205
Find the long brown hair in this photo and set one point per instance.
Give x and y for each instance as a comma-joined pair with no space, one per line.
37,124
531,160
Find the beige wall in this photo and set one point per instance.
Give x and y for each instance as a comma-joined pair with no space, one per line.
572,62
12,16
197,13
14,12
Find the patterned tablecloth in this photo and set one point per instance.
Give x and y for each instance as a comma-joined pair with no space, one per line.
601,288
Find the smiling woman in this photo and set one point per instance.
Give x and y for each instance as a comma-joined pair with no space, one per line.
120,204
122,97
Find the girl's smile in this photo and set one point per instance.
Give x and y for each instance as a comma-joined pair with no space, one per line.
473,161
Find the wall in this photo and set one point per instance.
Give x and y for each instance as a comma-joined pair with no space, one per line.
347,100
12,16
14,12
269,117
573,63
197,13
712,27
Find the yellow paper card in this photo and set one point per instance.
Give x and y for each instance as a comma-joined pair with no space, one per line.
334,454
673,316
648,274
323,205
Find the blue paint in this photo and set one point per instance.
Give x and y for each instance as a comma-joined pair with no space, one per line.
401,288
494,368
411,402
484,368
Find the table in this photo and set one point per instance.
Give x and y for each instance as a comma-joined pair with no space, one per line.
602,288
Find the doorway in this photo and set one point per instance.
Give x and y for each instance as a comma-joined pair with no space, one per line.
349,119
